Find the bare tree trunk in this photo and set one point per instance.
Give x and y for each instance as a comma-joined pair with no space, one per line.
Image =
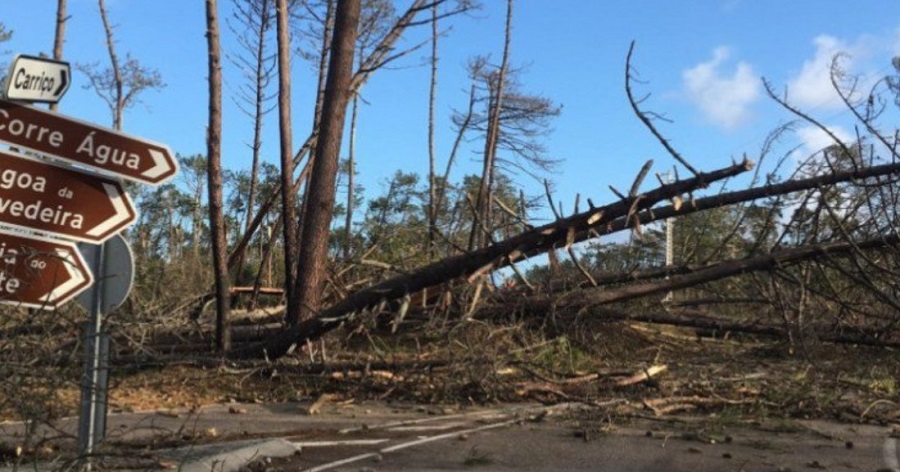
172,228
320,204
214,172
323,63
197,222
118,105
351,167
484,204
288,200
457,142
261,78
59,38
265,266
324,51
432,96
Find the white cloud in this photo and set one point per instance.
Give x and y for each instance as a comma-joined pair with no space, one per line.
812,87
724,99
813,139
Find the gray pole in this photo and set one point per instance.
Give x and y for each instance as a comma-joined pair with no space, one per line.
92,422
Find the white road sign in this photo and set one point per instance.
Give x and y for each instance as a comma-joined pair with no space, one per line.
37,79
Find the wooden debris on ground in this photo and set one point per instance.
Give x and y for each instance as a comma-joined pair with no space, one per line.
316,407
643,375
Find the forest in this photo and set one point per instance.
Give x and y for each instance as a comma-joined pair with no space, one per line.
286,281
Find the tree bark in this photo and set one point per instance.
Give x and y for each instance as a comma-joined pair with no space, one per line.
59,38
324,54
214,169
432,97
288,197
118,105
321,195
484,203
351,180
324,50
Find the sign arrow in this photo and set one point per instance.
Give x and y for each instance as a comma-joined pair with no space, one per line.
63,83
37,79
122,217
39,272
38,196
76,278
85,144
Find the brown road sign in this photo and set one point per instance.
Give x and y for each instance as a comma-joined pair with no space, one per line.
86,144
37,272
35,195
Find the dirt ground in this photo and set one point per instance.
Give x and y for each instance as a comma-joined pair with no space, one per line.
638,368
625,371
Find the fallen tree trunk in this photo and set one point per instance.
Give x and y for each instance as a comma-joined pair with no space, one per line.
548,303
715,201
710,323
495,256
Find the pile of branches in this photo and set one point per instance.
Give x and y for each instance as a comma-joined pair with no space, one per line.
834,256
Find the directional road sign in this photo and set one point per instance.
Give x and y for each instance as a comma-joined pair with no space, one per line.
86,144
37,79
35,195
37,272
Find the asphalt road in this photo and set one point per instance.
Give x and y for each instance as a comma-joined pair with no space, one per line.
384,437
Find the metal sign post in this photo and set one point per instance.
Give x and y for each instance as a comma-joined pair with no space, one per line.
113,266
92,422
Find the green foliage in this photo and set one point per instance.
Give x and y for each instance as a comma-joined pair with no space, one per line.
706,236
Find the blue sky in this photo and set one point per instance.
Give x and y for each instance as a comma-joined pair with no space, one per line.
702,62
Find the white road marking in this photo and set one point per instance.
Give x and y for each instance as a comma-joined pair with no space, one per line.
447,436
510,417
397,447
341,462
482,415
429,427
349,442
